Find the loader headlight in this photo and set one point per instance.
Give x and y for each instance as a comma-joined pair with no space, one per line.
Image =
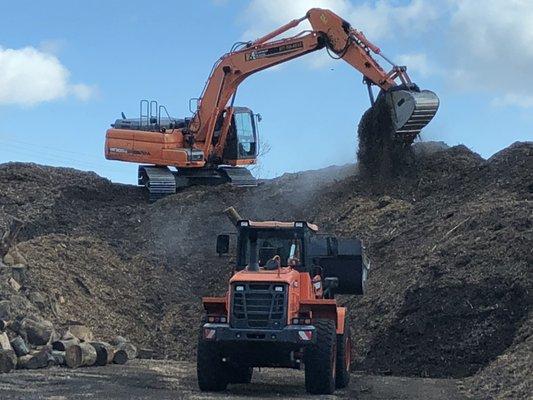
301,321
216,319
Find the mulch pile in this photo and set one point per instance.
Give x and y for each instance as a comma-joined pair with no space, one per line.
450,245
450,286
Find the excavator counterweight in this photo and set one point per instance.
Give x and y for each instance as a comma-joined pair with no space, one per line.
217,143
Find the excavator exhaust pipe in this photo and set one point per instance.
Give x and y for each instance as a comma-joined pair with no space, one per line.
412,111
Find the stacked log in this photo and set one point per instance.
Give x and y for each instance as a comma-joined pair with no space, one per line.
120,357
20,347
105,353
121,343
4,342
36,359
37,333
27,341
59,358
33,343
80,355
8,361
63,344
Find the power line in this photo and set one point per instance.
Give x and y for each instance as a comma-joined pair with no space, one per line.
56,149
37,156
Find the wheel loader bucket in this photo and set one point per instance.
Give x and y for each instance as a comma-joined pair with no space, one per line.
412,111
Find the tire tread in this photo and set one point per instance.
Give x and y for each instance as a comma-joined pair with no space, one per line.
319,377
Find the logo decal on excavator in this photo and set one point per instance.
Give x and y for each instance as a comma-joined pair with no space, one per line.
128,151
273,51
323,18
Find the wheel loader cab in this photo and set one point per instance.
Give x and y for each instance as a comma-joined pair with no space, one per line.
241,143
270,248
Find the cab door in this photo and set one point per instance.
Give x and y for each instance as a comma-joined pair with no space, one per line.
241,143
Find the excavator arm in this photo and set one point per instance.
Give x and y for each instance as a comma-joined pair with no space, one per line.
412,109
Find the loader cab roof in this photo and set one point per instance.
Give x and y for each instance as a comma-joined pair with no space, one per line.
263,240
276,225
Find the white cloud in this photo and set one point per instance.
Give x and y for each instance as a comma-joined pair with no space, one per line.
514,100
52,46
378,19
486,49
417,63
82,91
491,49
383,18
29,76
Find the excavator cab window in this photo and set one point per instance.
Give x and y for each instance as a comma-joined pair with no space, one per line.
244,127
242,138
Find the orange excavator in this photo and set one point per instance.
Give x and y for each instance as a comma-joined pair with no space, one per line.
220,140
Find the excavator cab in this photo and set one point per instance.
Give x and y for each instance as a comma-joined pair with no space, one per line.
241,143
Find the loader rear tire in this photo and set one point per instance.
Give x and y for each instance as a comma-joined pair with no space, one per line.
320,359
241,374
210,369
344,348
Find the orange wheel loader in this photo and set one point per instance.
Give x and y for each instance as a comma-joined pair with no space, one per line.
220,140
280,309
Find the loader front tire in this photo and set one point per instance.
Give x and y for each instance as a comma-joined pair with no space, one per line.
320,359
210,369
240,374
344,347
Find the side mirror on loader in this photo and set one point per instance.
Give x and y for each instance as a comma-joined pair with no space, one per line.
222,244
331,283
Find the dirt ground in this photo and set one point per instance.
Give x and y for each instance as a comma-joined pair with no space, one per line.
161,380
449,292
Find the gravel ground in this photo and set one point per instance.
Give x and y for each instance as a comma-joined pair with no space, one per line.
159,380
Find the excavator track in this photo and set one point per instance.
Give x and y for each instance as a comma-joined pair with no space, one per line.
161,181
412,111
238,176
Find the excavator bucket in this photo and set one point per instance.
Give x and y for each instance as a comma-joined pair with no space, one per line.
412,111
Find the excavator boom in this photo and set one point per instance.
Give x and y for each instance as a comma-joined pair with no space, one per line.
412,109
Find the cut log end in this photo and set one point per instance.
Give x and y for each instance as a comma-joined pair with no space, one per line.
80,355
104,353
8,361
120,357
62,345
20,347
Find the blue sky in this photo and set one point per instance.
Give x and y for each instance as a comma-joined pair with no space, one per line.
67,70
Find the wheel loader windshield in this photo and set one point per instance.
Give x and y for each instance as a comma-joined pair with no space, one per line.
269,244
